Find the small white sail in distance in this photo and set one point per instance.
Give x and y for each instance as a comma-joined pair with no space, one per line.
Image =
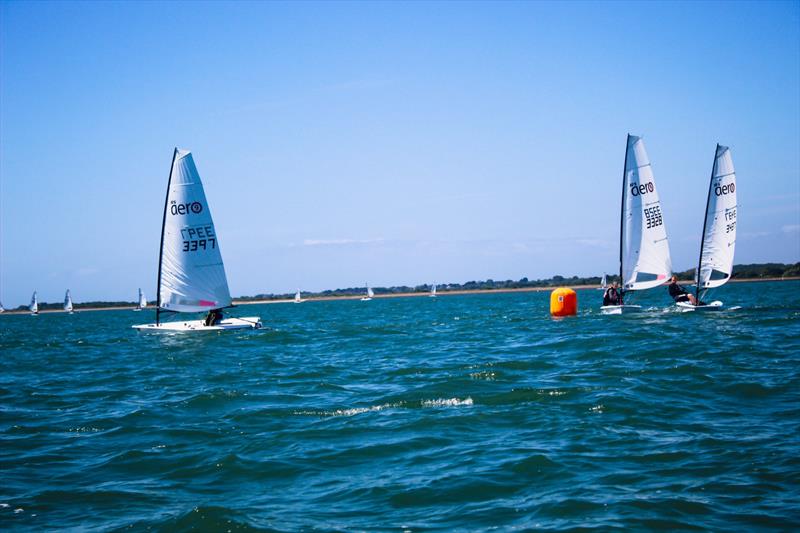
297,297
719,227
142,300
644,249
68,302
603,282
34,306
433,291
370,294
191,273
2,309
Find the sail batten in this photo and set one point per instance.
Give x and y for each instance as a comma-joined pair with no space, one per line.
644,248
192,274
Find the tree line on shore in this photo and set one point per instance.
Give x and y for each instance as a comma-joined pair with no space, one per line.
750,271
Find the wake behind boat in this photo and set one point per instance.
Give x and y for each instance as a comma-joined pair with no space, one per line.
191,274
644,259
718,242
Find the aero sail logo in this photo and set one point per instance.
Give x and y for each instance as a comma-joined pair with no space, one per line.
184,209
642,189
721,190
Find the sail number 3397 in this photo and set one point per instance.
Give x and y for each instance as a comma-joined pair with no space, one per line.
198,238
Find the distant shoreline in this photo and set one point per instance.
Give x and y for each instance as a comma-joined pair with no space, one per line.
380,296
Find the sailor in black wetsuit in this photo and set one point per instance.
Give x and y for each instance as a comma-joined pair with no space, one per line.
679,294
612,296
213,317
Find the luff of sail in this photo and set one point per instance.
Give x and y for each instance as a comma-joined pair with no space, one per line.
191,273
719,228
644,250
68,302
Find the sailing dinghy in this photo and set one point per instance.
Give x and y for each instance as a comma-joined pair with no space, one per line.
34,306
369,295
191,275
68,302
142,301
644,260
719,232
297,298
433,291
603,283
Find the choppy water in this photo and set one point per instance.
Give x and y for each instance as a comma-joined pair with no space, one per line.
461,412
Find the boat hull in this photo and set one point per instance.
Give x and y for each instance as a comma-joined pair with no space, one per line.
620,309
248,322
687,307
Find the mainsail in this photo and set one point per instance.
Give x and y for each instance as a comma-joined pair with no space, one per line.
34,307
370,294
297,297
433,290
191,276
67,302
644,249
719,227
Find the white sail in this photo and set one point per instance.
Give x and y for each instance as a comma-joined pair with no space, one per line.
719,229
67,302
2,309
34,306
370,294
604,282
645,258
142,300
297,297
191,274
433,290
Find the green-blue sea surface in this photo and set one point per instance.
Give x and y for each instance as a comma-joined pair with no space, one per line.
408,414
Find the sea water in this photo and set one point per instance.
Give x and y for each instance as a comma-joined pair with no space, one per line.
407,414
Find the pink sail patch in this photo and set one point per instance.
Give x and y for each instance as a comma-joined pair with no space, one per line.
206,303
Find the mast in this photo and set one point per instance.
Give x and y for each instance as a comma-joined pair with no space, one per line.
705,223
622,212
161,247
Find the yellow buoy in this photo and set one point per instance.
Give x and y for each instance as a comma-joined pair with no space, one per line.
563,302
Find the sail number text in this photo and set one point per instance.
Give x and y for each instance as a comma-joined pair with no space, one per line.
653,216
730,220
198,238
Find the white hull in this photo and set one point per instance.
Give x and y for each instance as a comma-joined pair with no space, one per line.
620,309
366,299
686,307
137,309
248,322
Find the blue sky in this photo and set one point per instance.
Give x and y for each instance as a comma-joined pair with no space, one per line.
394,143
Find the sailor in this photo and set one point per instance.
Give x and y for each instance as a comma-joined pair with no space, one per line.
612,296
213,317
679,294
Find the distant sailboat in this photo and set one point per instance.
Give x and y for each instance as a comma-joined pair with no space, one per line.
719,231
644,259
68,302
297,298
142,302
34,306
433,291
603,283
2,309
191,275
369,295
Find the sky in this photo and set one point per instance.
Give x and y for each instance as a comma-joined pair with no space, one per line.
384,143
